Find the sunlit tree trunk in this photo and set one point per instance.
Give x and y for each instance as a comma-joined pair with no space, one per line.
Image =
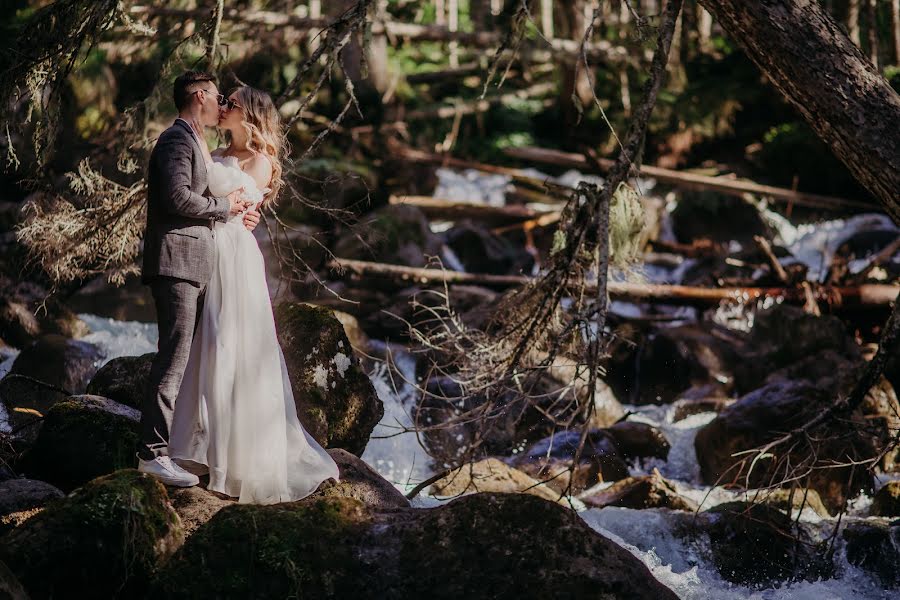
895,29
853,21
873,31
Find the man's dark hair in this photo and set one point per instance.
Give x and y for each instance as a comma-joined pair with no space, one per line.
181,93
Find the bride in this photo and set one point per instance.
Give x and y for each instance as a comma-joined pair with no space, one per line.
235,412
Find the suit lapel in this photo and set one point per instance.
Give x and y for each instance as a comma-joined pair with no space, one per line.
183,124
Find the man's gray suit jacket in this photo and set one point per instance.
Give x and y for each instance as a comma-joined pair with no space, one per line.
179,241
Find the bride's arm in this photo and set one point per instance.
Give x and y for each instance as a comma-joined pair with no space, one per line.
260,169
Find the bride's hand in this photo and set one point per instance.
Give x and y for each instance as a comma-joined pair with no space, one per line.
198,129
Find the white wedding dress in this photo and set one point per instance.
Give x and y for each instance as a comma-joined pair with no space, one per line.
235,410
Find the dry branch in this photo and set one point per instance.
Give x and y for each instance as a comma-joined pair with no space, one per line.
690,181
450,210
868,295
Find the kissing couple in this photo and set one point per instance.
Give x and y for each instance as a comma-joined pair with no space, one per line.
219,400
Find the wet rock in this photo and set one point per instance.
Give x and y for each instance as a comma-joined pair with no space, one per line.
491,475
108,537
123,379
514,545
639,440
55,360
687,407
756,544
875,548
481,251
83,437
395,234
523,419
550,458
361,482
886,501
790,501
10,588
359,341
645,491
195,506
335,400
666,363
20,499
764,415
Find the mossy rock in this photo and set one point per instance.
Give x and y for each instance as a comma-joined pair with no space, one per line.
123,379
514,545
335,400
792,500
361,482
886,502
756,544
22,498
644,491
105,540
83,437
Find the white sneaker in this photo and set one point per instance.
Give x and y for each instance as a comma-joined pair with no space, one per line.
167,472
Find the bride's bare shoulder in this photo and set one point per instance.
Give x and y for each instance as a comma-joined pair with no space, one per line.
259,168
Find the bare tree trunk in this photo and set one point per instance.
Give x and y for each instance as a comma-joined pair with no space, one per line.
704,28
872,17
480,14
895,29
547,18
853,21
839,92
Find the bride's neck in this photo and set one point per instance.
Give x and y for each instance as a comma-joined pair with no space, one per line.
239,140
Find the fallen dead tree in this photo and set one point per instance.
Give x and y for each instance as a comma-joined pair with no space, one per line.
867,295
451,210
691,181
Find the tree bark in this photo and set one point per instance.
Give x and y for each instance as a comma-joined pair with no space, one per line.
827,78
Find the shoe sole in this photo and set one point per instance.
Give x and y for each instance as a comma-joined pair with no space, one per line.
173,482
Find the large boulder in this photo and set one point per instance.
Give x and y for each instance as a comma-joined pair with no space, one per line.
756,544
763,416
83,437
514,545
65,364
645,491
875,547
123,379
491,475
395,234
335,400
105,540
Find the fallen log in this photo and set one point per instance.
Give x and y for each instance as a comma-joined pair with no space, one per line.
451,210
868,295
689,181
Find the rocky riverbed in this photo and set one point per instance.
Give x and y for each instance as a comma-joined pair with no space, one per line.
657,510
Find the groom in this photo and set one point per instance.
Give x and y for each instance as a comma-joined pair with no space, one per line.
179,254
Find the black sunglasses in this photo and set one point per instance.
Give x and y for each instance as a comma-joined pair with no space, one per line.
222,100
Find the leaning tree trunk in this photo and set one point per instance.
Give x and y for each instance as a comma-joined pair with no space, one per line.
828,79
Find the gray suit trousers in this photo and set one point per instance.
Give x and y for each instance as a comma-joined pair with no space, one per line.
178,306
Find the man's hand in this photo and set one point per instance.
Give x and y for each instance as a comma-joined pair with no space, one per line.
251,218
237,204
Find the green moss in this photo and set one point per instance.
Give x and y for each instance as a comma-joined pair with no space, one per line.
108,536
79,442
297,550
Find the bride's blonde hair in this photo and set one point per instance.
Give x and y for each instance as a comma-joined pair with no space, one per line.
265,133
